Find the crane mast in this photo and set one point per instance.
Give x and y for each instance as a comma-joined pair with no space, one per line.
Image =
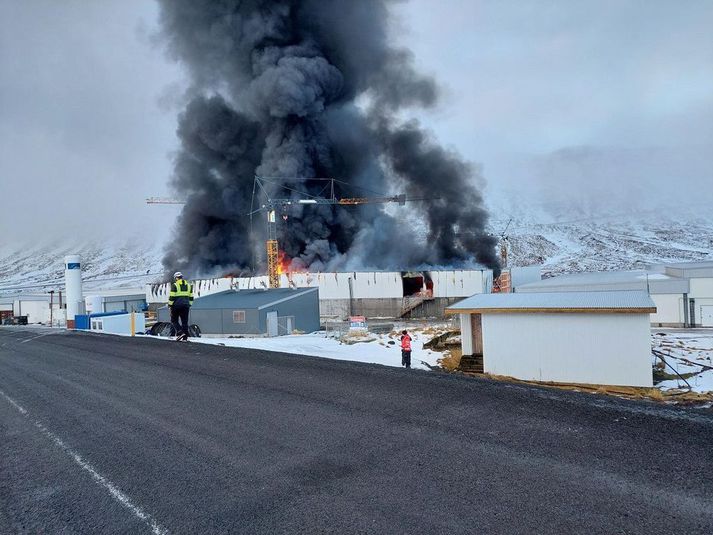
271,205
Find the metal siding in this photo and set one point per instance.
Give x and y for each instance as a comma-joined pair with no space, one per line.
305,309
251,325
612,349
209,321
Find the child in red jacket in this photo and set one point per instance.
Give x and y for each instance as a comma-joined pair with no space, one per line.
405,349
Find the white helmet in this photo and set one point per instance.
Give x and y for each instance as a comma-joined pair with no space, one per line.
178,275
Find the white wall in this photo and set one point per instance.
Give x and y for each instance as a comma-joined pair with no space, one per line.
458,283
701,288
119,324
669,308
365,284
702,292
613,349
36,311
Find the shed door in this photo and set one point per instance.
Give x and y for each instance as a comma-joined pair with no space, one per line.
476,326
272,329
707,316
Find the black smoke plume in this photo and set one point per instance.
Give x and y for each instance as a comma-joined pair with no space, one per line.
274,90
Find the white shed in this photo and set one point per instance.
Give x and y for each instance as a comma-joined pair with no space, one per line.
567,337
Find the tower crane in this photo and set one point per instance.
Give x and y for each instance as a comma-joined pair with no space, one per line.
326,196
270,205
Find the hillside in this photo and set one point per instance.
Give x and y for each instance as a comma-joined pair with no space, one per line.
585,244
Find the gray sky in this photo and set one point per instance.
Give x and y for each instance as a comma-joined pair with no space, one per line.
589,103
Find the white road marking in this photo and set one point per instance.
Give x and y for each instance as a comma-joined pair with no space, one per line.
12,402
35,337
118,495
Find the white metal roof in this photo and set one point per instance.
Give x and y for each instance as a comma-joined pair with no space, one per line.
626,301
653,282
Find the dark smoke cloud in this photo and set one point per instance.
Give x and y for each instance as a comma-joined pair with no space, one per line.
274,89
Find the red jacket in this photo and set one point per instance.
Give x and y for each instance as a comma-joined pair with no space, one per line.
406,342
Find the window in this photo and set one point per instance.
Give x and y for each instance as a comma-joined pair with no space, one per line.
238,316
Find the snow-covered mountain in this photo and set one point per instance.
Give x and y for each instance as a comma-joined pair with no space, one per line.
40,267
568,243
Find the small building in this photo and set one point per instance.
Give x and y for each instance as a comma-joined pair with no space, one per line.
112,322
270,312
566,337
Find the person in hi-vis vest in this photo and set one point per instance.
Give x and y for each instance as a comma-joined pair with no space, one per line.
180,300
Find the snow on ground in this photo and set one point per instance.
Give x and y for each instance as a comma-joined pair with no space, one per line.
688,352
373,348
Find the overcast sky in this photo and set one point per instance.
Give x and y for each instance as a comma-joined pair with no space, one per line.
567,100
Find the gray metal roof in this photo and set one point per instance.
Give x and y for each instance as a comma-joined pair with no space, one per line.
627,301
248,299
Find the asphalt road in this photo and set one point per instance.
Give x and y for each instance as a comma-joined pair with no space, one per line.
103,434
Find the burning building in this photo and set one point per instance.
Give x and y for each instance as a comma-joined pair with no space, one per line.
375,294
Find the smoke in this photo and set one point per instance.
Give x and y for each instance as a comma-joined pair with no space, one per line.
274,90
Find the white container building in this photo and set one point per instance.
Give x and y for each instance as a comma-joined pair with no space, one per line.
567,337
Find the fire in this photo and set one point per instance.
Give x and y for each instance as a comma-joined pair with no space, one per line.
283,263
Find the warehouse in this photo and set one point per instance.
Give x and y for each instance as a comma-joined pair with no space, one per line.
255,312
682,292
388,294
566,337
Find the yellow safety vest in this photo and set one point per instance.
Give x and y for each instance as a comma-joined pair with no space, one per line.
180,288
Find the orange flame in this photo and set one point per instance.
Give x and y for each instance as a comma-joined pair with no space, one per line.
283,263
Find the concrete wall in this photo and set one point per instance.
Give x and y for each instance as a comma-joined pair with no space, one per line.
383,308
613,349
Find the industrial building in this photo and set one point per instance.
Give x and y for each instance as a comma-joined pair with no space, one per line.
382,294
35,308
566,337
51,307
271,312
682,292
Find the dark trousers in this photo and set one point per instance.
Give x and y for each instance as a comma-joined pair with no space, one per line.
180,313
406,358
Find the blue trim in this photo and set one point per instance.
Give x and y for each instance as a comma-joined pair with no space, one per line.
73,265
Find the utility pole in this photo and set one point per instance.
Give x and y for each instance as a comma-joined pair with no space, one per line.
51,306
